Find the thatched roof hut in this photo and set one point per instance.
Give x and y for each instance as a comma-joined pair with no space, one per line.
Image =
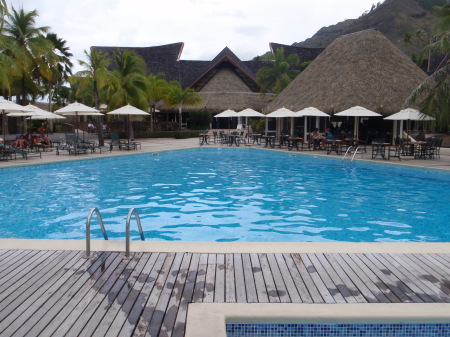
362,68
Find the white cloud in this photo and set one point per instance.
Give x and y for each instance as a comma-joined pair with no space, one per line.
206,27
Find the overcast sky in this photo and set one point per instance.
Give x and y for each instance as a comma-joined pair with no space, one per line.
205,26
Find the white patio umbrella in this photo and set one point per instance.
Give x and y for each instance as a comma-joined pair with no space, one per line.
227,113
36,113
78,109
249,113
408,115
357,112
281,113
128,111
310,112
8,107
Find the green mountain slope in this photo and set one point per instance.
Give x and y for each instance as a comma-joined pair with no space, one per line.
393,18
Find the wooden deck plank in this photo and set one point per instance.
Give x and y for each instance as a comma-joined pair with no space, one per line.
208,294
433,278
188,292
79,307
61,293
40,275
230,287
309,283
105,298
241,295
329,262
268,279
201,279
134,305
260,285
415,273
332,279
250,287
368,282
321,287
305,297
11,259
111,314
282,291
71,290
391,281
169,319
287,278
219,286
160,294
16,281
20,317
414,288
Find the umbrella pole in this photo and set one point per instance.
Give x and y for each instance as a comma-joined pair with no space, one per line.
4,127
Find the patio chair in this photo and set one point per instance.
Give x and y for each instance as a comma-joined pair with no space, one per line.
396,150
120,144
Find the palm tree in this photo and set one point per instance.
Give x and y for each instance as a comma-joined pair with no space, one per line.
27,46
432,94
127,83
279,71
60,66
158,89
179,96
94,76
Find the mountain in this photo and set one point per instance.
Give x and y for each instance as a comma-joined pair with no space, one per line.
394,18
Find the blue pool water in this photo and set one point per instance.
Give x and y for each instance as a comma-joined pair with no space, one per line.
227,195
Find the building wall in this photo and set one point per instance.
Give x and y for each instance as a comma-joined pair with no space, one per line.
225,80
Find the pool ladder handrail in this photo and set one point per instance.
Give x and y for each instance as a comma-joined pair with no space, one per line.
127,230
354,154
88,229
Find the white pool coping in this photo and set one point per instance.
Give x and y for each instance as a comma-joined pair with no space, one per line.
209,319
229,247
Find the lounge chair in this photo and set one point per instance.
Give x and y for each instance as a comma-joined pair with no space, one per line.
121,144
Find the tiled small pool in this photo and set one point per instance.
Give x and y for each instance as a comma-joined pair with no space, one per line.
337,330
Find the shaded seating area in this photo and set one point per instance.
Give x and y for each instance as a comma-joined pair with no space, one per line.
122,144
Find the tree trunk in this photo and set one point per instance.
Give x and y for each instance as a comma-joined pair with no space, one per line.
180,116
101,137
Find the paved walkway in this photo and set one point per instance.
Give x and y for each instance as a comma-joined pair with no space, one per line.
166,144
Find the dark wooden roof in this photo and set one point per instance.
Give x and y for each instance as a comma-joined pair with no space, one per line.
165,60
227,58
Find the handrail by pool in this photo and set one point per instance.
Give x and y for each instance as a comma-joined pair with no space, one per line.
127,230
88,230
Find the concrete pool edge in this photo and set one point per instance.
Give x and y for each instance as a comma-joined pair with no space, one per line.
230,247
209,319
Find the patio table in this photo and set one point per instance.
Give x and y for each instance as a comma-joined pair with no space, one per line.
379,149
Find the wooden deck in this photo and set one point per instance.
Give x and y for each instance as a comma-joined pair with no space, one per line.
59,293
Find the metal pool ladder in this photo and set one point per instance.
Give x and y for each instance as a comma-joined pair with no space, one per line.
100,220
127,230
88,230
354,154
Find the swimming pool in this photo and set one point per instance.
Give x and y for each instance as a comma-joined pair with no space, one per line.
227,195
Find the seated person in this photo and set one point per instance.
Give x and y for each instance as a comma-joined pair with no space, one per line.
91,127
42,141
316,138
21,143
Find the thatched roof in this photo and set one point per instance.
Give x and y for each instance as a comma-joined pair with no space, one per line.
362,68
219,101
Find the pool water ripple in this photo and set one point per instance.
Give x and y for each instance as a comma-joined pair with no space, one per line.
227,195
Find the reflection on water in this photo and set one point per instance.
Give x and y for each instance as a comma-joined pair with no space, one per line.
227,195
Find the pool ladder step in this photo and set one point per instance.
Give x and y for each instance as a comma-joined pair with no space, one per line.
132,212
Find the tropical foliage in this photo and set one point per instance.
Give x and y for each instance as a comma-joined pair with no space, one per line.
433,94
179,96
279,72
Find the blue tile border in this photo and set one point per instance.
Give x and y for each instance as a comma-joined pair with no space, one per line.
337,330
